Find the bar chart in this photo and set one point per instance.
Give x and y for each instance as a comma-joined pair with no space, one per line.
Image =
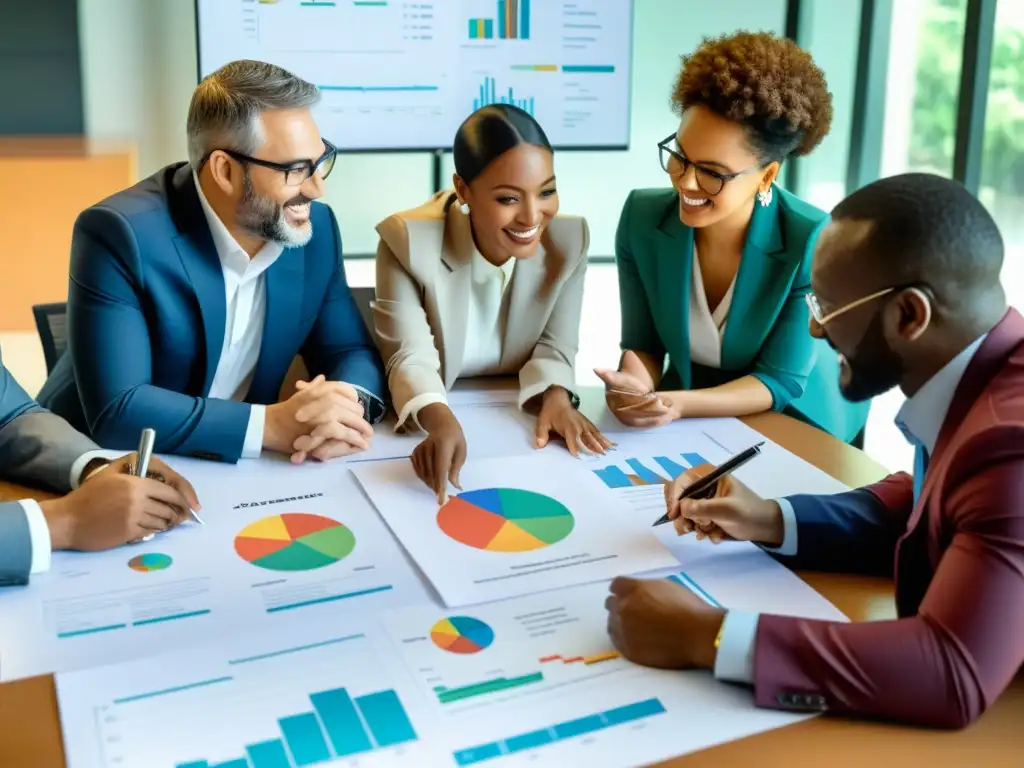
511,21
569,729
637,473
488,94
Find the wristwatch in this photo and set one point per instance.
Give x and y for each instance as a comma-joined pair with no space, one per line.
373,409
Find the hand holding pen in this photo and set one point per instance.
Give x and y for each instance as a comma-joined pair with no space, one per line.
147,466
713,504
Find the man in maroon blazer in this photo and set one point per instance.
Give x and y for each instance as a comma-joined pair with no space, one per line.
906,289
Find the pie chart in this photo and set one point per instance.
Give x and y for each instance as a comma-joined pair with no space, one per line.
294,541
461,634
151,561
505,520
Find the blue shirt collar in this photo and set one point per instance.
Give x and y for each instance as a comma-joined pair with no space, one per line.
921,417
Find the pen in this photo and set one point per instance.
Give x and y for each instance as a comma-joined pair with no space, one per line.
144,454
704,487
146,442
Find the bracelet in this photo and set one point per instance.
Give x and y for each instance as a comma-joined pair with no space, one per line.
721,631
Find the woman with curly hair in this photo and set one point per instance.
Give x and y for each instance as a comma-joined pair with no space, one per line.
714,271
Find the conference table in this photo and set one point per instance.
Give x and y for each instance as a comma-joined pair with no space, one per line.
30,735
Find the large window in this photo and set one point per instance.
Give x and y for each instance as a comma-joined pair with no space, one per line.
1002,171
925,56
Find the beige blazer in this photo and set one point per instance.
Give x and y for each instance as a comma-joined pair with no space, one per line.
423,288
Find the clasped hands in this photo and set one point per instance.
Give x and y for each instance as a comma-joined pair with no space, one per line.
322,420
630,395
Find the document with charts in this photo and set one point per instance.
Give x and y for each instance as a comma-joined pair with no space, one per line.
277,546
517,527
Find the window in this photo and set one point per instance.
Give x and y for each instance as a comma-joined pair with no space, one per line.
1002,170
925,54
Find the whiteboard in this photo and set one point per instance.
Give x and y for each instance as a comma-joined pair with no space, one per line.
403,74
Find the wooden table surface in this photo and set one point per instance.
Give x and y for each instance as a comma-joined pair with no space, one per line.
30,727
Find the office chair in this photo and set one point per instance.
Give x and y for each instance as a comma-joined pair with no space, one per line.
52,325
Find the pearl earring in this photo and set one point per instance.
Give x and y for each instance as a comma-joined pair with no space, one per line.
764,196
464,208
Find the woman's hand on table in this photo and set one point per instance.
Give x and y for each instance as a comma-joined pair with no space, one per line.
558,415
439,458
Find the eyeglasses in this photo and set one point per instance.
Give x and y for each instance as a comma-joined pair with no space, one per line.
820,317
675,164
297,171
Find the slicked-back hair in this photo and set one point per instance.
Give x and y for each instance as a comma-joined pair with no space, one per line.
225,108
489,133
928,229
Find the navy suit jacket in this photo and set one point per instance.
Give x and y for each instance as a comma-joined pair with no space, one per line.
146,315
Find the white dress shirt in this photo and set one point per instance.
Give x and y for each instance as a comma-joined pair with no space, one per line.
246,313
488,315
38,530
921,416
706,327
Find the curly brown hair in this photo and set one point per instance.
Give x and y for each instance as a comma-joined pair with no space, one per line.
767,83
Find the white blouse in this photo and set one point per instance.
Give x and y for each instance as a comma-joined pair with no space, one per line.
485,321
706,327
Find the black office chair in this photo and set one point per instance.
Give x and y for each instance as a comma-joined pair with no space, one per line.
363,297
52,325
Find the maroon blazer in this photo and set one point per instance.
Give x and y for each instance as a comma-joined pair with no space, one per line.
958,560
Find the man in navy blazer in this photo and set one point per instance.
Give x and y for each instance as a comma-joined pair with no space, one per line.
192,292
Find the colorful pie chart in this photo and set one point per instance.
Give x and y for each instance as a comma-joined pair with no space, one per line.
461,634
505,520
150,561
294,541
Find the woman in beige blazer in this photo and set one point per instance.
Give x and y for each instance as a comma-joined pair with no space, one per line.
485,279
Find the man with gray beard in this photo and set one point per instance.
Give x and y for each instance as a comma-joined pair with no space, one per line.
192,292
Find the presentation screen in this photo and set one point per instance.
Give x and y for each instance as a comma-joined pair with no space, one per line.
402,75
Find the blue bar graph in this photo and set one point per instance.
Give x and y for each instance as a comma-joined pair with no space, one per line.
502,20
567,730
268,754
341,721
488,94
614,477
524,19
488,28
338,727
386,718
305,739
648,476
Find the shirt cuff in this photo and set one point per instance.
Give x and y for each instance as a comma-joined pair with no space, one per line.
734,662
253,445
414,406
39,534
373,418
789,528
82,461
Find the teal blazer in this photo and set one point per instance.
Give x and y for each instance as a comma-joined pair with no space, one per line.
766,335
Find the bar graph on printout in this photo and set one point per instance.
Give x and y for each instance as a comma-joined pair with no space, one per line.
655,471
336,725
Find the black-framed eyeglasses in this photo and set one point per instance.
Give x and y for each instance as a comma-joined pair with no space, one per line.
675,164
297,171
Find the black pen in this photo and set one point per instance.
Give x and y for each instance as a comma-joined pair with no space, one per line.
705,487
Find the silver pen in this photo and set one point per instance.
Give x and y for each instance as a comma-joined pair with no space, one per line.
143,455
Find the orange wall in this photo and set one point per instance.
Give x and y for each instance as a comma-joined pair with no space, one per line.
44,185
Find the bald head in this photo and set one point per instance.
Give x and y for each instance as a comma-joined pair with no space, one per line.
915,228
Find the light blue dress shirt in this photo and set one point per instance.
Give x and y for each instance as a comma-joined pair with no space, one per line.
920,419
